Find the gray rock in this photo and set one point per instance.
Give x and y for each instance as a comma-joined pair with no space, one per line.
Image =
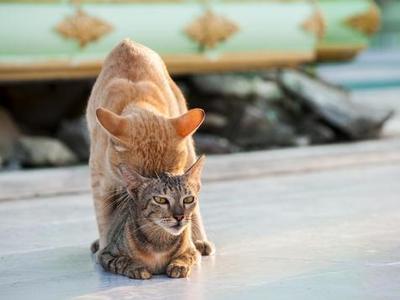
45,151
39,106
215,121
74,133
334,106
262,129
320,134
212,144
316,132
9,134
270,74
236,85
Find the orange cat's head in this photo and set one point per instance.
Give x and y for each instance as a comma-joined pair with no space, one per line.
147,142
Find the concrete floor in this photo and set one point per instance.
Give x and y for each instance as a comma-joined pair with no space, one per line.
326,231
311,223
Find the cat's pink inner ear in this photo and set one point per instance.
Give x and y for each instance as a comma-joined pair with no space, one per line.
112,123
188,123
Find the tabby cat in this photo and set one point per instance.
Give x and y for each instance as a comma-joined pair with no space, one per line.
138,117
151,228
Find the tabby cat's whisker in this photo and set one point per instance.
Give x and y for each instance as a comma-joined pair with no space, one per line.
117,202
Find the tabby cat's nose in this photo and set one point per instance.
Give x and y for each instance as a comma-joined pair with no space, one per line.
178,217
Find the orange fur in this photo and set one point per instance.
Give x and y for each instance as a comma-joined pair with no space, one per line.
137,116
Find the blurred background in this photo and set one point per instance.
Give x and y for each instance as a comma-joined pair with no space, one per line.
269,74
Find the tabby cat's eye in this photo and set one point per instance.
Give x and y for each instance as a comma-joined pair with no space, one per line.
188,200
160,200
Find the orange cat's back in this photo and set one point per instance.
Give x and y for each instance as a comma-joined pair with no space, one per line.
146,74
134,62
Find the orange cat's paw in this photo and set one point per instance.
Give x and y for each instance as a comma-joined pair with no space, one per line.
139,273
175,270
205,248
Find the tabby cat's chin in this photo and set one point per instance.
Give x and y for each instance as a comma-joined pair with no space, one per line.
175,230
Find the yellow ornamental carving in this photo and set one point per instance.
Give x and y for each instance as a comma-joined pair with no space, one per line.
83,27
210,29
368,22
315,24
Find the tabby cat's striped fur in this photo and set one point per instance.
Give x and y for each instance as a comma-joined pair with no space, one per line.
151,228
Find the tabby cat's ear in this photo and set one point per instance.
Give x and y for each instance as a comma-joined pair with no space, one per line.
193,174
114,124
131,178
188,123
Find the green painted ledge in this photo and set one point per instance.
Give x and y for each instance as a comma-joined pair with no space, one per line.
269,34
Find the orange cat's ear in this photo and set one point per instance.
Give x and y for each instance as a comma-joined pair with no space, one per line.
193,174
188,123
114,124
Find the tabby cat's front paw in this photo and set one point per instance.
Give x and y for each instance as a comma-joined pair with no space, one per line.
205,247
138,273
175,270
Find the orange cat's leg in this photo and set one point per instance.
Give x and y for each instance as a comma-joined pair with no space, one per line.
198,231
103,221
199,236
101,199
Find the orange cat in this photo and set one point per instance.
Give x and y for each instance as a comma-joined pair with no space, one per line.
138,116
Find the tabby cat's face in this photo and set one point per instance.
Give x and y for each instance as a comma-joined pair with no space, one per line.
166,202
